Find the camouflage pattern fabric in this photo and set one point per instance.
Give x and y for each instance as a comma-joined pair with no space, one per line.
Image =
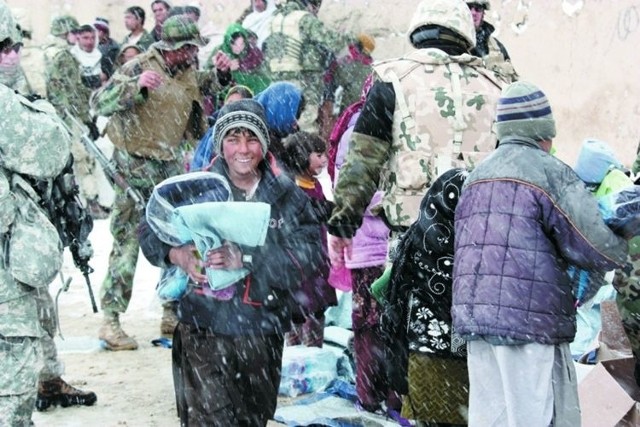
24,124
143,174
496,62
628,296
143,42
134,126
21,361
53,367
441,122
309,49
438,124
26,127
148,151
64,83
69,96
351,76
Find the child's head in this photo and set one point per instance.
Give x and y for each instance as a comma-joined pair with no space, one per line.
238,92
305,153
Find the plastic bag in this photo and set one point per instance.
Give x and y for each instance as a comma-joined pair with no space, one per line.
621,211
306,370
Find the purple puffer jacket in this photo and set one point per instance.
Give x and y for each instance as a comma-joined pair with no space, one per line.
369,245
523,217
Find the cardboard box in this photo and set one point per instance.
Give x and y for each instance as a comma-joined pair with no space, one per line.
609,394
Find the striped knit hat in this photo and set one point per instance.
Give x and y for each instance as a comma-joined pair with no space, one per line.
244,113
524,110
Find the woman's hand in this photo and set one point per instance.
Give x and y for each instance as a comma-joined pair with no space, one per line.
226,257
186,257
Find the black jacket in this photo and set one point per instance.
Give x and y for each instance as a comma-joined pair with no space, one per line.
292,250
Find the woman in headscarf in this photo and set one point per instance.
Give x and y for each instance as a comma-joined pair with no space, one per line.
426,358
247,66
259,21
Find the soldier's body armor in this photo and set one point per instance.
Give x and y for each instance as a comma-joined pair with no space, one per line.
156,128
443,116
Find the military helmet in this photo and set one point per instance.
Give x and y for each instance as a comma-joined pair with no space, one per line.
63,25
483,3
7,23
453,15
178,31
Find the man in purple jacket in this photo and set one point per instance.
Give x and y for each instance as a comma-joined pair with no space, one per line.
523,218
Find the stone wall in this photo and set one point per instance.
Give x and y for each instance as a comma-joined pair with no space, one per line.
580,52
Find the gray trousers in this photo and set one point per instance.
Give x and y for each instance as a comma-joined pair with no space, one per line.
530,385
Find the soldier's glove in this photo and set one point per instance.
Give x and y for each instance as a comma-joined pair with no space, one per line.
94,133
32,97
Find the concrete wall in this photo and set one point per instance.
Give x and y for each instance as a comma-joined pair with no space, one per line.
582,53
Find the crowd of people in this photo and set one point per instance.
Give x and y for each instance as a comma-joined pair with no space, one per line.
452,224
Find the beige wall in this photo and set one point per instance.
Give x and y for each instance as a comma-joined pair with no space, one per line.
582,53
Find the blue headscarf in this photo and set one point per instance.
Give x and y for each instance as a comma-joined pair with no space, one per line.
281,101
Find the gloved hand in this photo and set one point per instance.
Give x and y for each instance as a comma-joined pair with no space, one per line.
94,133
33,97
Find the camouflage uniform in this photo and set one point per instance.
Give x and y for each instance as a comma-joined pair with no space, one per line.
34,144
69,96
441,118
53,368
628,300
491,50
299,50
151,131
144,42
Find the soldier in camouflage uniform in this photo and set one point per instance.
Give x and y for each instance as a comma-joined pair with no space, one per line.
134,18
154,102
11,72
300,49
427,112
52,389
69,95
489,48
628,301
35,146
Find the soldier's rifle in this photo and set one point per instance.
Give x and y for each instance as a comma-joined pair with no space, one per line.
107,165
72,221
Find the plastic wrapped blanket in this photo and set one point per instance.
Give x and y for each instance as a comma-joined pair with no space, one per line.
621,211
197,208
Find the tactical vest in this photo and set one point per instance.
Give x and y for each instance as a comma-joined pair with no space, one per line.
496,62
157,127
443,118
290,57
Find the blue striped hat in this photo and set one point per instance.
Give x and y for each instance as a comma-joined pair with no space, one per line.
524,110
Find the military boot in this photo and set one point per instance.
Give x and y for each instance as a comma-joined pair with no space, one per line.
57,392
169,320
114,337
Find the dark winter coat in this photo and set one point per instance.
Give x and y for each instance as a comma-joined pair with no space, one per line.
316,294
417,317
292,251
523,217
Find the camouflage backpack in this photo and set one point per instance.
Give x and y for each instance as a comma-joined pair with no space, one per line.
34,250
33,141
